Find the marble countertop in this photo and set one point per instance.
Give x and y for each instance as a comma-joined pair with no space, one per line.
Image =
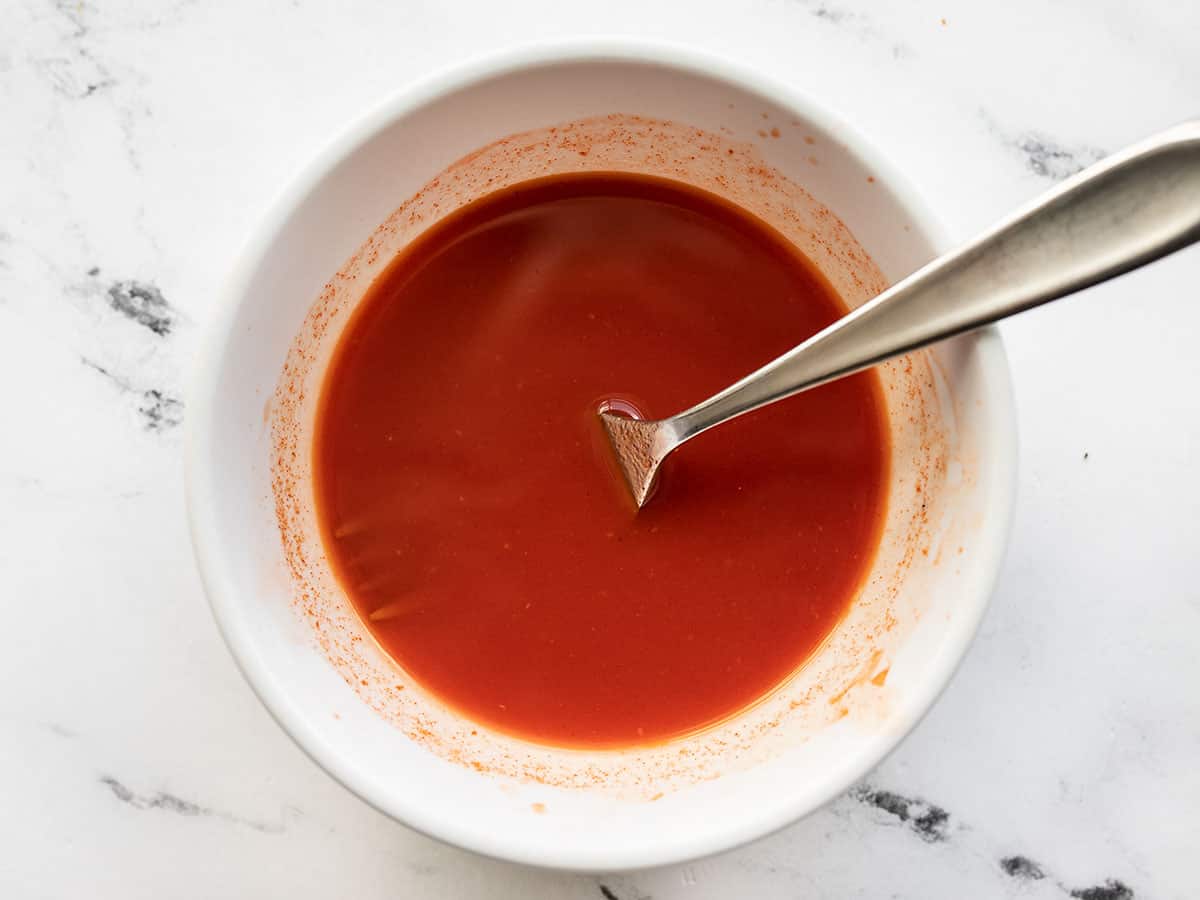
139,142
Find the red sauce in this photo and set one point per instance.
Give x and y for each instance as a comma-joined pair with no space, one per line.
467,511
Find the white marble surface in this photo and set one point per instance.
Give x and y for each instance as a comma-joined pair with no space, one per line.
140,141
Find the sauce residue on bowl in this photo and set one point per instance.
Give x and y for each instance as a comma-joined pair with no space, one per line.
467,513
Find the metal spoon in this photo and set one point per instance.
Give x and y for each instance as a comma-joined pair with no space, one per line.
1125,211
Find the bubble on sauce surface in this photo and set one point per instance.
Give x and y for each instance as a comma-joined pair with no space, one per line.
620,406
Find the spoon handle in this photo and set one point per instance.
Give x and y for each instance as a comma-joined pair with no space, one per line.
1123,212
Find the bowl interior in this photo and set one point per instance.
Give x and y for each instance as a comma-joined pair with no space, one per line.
305,652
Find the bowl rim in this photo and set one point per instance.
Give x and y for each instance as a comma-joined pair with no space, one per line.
221,587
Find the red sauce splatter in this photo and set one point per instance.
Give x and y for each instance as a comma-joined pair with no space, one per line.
466,513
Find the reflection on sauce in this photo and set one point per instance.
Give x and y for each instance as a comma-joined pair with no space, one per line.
468,515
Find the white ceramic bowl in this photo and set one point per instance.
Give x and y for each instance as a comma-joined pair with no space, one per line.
285,619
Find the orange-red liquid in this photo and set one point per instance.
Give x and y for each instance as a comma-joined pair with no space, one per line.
468,514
